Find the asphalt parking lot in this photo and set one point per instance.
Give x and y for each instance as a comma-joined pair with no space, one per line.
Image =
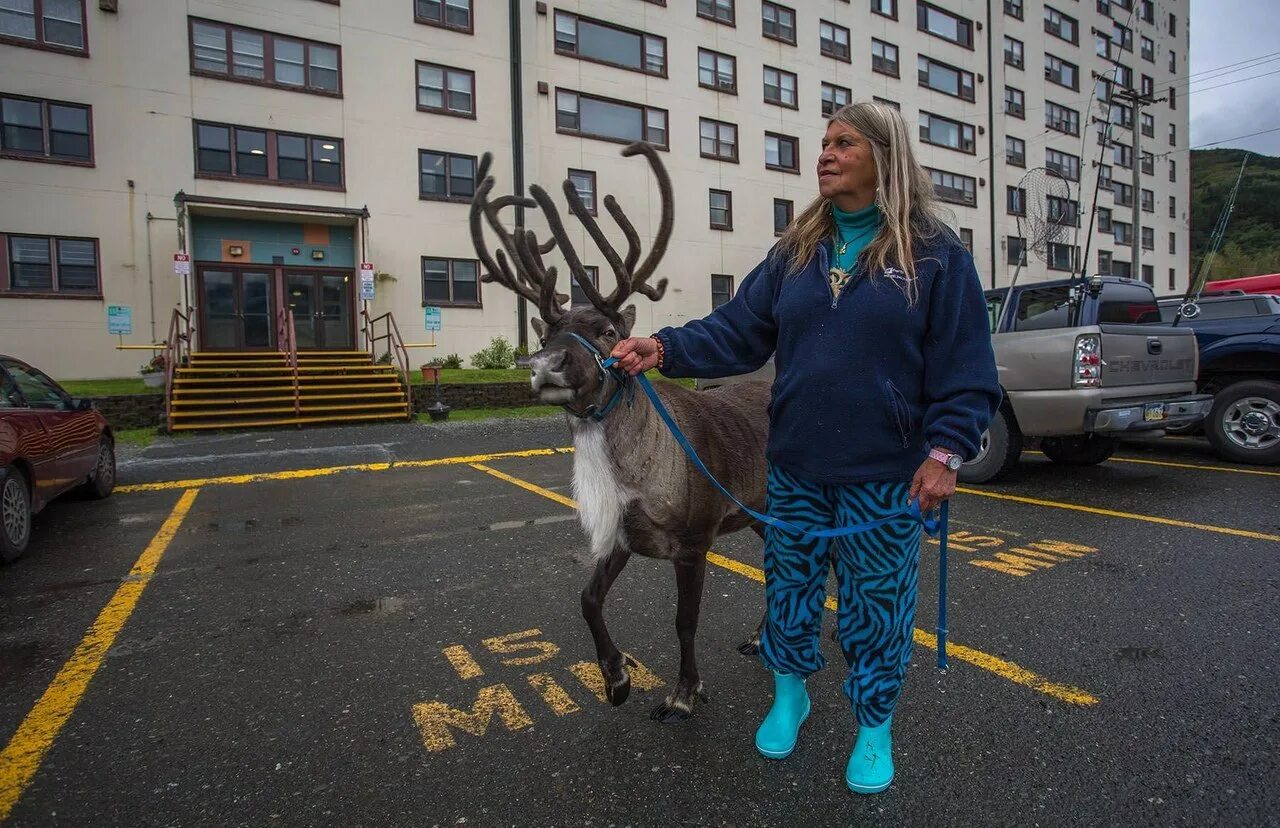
380,626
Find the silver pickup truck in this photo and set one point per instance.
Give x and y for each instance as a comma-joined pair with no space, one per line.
1079,366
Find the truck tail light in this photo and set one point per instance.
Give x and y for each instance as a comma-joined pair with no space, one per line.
1087,370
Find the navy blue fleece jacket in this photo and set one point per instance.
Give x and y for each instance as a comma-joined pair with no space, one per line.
866,382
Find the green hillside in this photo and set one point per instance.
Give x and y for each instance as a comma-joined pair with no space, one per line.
1252,244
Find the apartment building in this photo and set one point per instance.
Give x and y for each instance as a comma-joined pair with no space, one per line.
278,145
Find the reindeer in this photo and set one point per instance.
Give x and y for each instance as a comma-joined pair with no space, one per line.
636,491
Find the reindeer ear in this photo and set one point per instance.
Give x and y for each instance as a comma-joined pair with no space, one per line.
539,327
629,318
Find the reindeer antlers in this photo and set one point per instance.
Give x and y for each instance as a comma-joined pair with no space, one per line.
536,282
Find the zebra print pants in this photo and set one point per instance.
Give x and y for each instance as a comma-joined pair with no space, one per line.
877,575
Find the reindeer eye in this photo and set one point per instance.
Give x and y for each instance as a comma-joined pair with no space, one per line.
542,343
611,332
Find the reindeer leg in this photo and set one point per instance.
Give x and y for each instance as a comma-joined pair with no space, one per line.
751,647
679,704
613,667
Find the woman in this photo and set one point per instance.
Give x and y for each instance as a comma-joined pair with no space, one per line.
885,382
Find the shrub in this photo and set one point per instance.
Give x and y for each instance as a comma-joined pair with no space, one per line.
452,362
499,354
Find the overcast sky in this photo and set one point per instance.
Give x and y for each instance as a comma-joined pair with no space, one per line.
1225,32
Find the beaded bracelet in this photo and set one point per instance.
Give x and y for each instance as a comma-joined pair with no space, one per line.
662,352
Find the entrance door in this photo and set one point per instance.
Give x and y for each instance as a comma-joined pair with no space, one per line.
237,309
322,309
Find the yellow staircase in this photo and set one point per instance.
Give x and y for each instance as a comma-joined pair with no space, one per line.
252,389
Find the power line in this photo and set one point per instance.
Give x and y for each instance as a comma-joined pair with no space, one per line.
1215,143
1234,82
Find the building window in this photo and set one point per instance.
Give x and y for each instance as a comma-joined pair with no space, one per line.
1149,238
721,202
445,176
595,40
943,78
1102,44
1121,268
1122,37
778,22
246,55
1148,86
1062,256
957,189
1173,97
1148,50
720,11
609,120
448,14
1104,262
1173,207
780,88
833,41
783,213
1124,76
42,130
1148,125
834,97
1015,250
1015,201
966,239
1104,177
1014,103
1061,118
1173,61
1147,11
1013,8
718,140
884,58
1122,192
1063,211
1122,155
584,182
1173,24
1122,232
445,90
1013,52
1104,220
721,289
44,24
944,132
50,265
1173,170
453,282
1149,275
1171,279
1059,71
1120,115
1173,135
578,296
887,102
1015,151
944,25
885,8
1148,163
1063,163
718,71
781,152
1173,243
1061,25
249,154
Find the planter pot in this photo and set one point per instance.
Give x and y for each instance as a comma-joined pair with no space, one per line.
430,373
153,380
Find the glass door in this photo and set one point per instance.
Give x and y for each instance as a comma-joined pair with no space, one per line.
236,309
301,290
322,309
336,312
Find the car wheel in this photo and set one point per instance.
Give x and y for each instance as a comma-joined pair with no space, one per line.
998,451
103,480
15,514
1244,423
1086,450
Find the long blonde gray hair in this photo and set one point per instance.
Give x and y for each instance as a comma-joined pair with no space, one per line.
908,207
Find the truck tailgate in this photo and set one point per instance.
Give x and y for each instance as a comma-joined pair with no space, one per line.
1134,355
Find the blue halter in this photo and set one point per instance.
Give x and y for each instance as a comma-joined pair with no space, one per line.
620,378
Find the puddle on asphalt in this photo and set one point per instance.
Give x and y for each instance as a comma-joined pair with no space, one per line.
374,606
520,524
232,525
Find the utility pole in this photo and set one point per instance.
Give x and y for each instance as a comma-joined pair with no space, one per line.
1137,102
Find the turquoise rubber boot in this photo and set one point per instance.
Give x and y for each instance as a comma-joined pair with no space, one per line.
870,767
776,737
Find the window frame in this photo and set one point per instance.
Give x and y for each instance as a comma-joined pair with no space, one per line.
1067,109
1014,9
711,209
715,276
592,271
443,110
40,44
729,90
605,24
922,15
795,152
1054,76
778,7
836,28
1020,52
1015,200
1147,200
1056,30
782,73
731,21
593,207
791,215
1018,159
737,140
963,201
1074,254
6,268
835,87
644,119
1021,248
923,81
46,130
892,15
1063,169
1021,113
448,176
897,62
1148,47
443,22
451,303
268,58
962,126
272,156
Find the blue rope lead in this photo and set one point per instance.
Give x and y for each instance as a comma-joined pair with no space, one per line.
934,526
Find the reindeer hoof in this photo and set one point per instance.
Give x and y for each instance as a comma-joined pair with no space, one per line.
750,647
617,682
679,705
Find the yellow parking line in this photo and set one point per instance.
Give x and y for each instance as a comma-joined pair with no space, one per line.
1172,465
1005,669
22,756
304,474
1094,510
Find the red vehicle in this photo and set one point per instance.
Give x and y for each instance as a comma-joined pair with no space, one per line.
49,444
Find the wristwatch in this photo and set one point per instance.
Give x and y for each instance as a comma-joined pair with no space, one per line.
946,458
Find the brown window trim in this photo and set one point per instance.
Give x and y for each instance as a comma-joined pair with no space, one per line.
451,260
268,58
923,85
823,101
791,214
732,286
923,7
471,22
44,158
794,18
728,209
1048,72
897,73
953,121
593,208
444,110
795,143
1021,113
848,36
448,176
641,70
273,158
891,16
737,133
593,271
579,133
963,201
53,293
730,90
732,22
39,43
796,88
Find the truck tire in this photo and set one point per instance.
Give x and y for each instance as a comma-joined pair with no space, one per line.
998,452
1244,423
1085,450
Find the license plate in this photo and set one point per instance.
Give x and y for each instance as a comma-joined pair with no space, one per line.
1153,412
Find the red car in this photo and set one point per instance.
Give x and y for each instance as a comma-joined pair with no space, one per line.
49,445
